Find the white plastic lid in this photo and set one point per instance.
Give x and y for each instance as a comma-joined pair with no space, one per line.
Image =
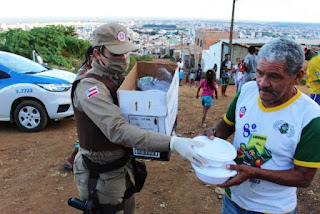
215,172
216,149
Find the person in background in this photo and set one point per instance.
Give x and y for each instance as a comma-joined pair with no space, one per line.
192,75
215,67
187,76
39,58
208,85
277,135
313,75
103,172
180,68
237,73
198,75
250,64
226,67
85,67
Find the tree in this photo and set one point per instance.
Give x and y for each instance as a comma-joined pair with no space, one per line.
134,59
75,47
70,31
18,41
48,41
56,44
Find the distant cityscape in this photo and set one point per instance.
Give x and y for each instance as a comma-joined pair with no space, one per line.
184,37
245,29
168,32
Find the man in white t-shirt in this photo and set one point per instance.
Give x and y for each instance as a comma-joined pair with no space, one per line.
277,135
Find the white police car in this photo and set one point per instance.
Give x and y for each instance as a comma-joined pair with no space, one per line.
30,94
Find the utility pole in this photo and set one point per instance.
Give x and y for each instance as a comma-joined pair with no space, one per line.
169,47
181,46
231,28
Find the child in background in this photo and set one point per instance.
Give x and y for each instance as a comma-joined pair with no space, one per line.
208,85
192,75
180,66
240,75
180,76
187,77
237,73
198,75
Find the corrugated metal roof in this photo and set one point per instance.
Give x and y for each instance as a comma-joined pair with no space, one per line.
257,42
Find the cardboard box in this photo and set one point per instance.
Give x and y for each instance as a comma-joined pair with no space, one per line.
150,110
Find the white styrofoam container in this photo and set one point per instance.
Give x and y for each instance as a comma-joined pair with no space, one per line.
214,175
149,110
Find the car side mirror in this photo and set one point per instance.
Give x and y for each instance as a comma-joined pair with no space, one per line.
4,75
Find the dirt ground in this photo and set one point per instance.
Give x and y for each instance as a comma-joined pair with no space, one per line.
32,179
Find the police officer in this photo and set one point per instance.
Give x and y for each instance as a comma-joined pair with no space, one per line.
103,132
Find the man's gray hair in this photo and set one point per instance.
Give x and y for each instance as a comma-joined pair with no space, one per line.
283,50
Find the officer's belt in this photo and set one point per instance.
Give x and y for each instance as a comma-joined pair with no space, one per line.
101,168
95,170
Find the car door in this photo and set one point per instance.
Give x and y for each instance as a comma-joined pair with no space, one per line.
4,83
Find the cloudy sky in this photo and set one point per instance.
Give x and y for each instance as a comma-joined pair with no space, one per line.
246,10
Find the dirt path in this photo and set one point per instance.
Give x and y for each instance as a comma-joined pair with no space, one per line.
32,179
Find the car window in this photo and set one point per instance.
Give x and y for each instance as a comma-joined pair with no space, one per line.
20,64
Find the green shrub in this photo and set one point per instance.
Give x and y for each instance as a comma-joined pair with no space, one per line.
56,44
58,60
145,58
75,47
134,59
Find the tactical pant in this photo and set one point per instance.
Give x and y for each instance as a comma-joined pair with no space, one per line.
111,185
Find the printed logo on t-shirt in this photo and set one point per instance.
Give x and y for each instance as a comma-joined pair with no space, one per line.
247,129
242,111
284,128
254,153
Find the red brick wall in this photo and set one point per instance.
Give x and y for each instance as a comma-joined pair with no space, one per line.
209,37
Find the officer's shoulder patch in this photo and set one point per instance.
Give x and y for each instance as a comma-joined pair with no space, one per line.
92,91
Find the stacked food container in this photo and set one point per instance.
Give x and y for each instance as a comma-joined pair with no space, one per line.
218,153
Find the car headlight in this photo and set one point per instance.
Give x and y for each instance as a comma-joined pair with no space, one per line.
56,87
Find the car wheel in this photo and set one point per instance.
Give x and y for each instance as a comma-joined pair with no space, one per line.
30,116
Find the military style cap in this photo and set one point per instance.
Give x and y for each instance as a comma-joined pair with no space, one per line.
114,38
